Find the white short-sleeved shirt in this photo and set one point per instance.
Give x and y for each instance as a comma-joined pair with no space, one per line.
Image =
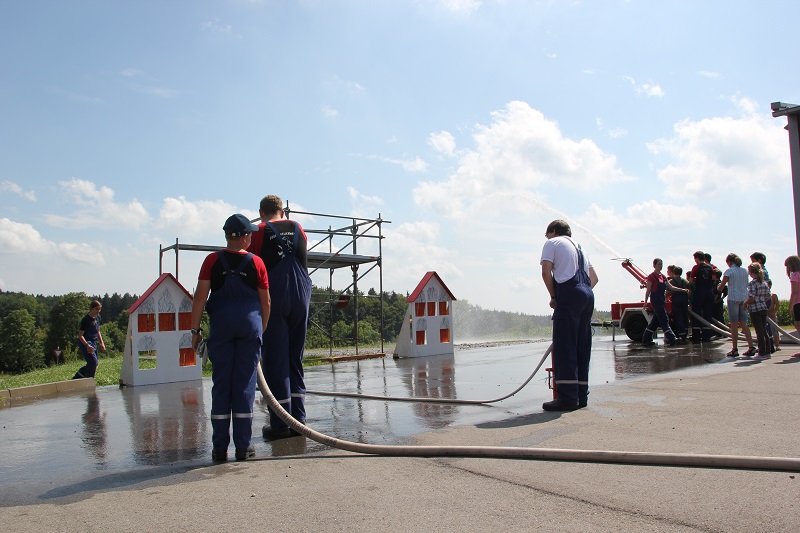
563,253
737,283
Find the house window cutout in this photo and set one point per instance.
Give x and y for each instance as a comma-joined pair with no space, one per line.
147,322
420,337
431,308
185,321
148,359
444,308
419,309
187,356
444,335
166,322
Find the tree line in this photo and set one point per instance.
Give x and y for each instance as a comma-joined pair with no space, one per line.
33,327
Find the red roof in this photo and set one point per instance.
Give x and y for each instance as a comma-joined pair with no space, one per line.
425,279
153,287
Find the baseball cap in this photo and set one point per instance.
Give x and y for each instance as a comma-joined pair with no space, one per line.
238,225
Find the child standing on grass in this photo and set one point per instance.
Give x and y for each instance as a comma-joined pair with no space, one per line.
792,264
758,294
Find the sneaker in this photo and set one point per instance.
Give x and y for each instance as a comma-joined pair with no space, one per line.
560,405
219,455
732,353
245,453
795,356
759,356
682,342
648,343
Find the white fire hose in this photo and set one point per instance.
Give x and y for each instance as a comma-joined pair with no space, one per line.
539,454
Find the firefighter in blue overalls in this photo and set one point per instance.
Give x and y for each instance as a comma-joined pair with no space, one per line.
657,293
238,310
283,246
569,278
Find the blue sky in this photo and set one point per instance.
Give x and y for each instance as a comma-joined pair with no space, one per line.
468,124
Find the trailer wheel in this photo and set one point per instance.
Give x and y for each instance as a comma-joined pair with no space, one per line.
635,326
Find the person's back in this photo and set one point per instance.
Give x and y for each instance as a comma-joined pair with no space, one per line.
282,245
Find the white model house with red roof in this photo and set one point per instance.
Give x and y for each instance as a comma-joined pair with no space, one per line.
158,346
428,324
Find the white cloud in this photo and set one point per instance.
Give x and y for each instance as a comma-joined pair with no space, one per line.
709,74
353,88
329,112
12,187
215,26
161,92
82,253
650,214
519,151
460,6
363,205
647,89
21,239
412,249
718,154
409,165
443,142
203,218
97,208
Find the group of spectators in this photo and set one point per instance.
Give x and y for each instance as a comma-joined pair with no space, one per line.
748,292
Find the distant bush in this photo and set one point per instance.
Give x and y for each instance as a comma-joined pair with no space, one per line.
20,343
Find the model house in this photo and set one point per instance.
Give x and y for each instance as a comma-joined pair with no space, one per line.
428,325
158,346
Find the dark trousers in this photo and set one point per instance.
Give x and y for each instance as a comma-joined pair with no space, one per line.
88,370
702,304
234,347
759,321
572,341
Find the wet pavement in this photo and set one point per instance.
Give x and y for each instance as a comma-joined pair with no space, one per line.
57,448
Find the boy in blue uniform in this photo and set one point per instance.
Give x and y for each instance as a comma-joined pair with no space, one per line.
238,309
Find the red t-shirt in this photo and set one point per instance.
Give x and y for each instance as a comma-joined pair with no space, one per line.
254,273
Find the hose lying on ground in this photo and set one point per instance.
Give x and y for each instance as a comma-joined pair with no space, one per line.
789,336
539,454
708,324
430,400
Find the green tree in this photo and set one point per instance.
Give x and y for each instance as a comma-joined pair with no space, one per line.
11,301
65,319
113,337
20,343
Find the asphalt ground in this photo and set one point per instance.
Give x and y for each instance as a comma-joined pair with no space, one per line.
165,480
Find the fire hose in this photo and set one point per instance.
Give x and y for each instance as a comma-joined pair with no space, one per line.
789,336
539,454
418,399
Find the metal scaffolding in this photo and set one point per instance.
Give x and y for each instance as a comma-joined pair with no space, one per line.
341,242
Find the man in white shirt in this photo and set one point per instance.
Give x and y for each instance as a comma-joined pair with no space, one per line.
569,278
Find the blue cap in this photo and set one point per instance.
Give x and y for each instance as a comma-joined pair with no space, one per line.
238,225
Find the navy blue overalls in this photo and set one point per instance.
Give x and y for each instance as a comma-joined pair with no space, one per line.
680,312
234,346
658,300
90,335
572,335
703,303
285,337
